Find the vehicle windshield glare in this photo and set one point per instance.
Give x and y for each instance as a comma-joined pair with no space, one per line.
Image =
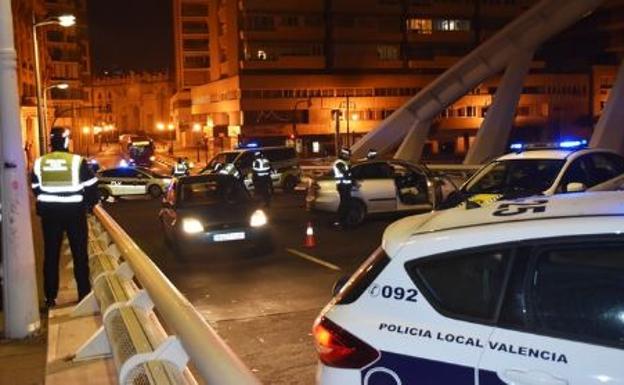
218,190
509,177
223,158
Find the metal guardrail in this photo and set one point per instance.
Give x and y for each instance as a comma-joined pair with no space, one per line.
126,294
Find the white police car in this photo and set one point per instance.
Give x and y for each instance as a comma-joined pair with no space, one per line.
125,181
546,169
529,291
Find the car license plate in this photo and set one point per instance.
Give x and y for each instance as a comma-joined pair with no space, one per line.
229,236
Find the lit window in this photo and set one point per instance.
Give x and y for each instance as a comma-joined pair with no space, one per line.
421,26
261,55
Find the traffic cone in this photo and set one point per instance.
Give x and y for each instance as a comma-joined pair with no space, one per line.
310,241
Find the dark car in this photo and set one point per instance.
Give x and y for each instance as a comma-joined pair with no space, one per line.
212,209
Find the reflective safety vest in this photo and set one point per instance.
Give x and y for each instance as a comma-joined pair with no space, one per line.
340,176
230,169
58,178
180,169
261,167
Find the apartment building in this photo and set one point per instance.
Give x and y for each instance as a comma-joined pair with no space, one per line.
22,28
280,70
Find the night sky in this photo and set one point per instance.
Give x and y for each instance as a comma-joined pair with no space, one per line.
130,34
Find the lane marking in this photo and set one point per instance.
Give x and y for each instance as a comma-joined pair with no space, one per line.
313,259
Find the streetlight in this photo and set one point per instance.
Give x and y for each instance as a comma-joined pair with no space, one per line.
63,21
308,104
58,86
160,126
197,129
171,127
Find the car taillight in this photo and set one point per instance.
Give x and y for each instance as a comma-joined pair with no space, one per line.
338,348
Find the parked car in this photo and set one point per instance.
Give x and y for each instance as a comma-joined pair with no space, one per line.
382,186
527,291
284,161
209,209
126,180
546,169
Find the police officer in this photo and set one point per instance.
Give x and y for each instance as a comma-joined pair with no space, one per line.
261,168
344,184
230,169
66,189
180,168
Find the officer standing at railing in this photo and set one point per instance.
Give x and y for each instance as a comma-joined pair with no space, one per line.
261,178
66,189
344,184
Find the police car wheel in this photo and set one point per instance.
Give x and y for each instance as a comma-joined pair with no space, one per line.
154,191
357,213
104,194
290,183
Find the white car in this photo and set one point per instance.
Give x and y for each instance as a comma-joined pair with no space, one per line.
520,292
382,186
126,181
540,169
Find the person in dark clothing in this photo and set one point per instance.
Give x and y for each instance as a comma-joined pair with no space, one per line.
66,190
261,178
344,184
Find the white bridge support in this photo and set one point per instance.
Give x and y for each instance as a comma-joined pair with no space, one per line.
412,146
542,21
494,132
609,131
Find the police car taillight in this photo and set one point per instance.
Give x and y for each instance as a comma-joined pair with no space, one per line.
338,348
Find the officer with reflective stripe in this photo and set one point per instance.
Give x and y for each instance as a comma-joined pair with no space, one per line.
344,184
66,189
261,168
180,168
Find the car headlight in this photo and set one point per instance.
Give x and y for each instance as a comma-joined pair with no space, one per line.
167,181
258,219
192,226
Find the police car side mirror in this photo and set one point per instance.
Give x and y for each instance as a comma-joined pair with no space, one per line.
575,187
339,284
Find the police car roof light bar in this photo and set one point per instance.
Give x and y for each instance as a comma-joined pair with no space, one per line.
566,144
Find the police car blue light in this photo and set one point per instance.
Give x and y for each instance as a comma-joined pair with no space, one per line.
524,291
251,145
123,163
573,143
516,146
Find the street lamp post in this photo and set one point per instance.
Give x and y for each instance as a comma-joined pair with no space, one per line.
197,129
85,134
171,127
63,21
308,103
60,86
336,114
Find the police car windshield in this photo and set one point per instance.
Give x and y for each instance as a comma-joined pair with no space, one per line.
513,177
223,189
223,158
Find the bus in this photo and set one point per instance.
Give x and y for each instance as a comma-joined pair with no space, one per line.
139,150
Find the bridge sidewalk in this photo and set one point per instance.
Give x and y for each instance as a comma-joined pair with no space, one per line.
47,357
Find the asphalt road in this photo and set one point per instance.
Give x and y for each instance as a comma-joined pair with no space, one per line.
262,305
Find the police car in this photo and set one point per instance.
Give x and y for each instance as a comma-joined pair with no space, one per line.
382,186
125,180
546,169
527,291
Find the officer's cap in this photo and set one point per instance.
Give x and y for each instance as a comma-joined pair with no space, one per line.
345,151
59,132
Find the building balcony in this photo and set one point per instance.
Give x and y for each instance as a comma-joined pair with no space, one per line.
286,62
284,34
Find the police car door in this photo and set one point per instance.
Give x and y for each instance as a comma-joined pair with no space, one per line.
375,186
562,320
436,323
412,190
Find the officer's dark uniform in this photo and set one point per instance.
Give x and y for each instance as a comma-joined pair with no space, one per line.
261,168
180,168
344,184
66,189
